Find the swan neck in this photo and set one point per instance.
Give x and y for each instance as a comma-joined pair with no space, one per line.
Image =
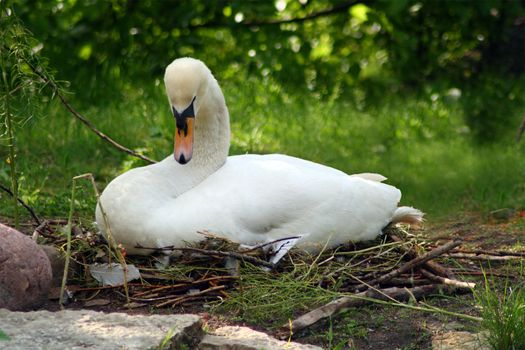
212,136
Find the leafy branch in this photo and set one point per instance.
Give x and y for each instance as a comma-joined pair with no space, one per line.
277,21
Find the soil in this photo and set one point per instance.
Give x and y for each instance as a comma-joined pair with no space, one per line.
372,327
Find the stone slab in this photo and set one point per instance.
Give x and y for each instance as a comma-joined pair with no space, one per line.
85,329
458,341
243,338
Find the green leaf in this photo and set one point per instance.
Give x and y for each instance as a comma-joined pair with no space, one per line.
360,12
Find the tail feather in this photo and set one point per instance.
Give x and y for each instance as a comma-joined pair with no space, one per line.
407,215
370,176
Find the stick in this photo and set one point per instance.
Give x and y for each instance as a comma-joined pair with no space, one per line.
447,281
202,292
432,265
28,208
483,257
411,264
487,252
86,121
488,273
359,299
220,253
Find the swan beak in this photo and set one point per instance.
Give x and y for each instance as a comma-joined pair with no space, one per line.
184,140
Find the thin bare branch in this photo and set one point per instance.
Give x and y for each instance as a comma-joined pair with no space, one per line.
277,21
29,209
238,256
83,119
448,281
433,266
411,264
363,298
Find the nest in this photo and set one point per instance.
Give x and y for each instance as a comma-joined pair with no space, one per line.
397,266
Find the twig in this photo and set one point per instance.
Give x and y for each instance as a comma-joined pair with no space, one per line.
156,290
439,269
483,273
447,281
28,208
84,120
370,296
488,252
408,281
68,246
179,299
411,264
483,257
269,22
220,253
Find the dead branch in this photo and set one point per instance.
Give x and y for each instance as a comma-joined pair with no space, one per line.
487,273
436,267
274,21
447,281
410,264
179,299
76,114
406,281
488,252
28,208
483,257
330,11
359,299
220,253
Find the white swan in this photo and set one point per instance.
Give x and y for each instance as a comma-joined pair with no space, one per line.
249,199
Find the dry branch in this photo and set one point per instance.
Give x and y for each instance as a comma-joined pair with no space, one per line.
79,116
488,252
341,8
219,253
431,265
28,208
359,299
410,265
447,281
483,257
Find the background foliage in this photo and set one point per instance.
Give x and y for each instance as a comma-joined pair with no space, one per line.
431,93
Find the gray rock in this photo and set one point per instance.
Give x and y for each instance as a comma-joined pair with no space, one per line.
243,338
25,271
58,263
84,329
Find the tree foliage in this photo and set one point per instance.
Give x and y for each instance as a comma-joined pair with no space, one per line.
327,46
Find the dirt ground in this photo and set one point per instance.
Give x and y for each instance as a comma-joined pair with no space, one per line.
373,327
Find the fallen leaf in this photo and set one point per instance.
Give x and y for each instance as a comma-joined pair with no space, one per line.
112,274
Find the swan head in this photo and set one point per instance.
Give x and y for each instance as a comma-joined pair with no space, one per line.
186,80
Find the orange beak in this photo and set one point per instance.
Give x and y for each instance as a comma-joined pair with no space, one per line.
184,140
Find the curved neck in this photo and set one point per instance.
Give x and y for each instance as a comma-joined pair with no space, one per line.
211,142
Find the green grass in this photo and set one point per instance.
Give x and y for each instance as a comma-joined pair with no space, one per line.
262,293
420,142
503,313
